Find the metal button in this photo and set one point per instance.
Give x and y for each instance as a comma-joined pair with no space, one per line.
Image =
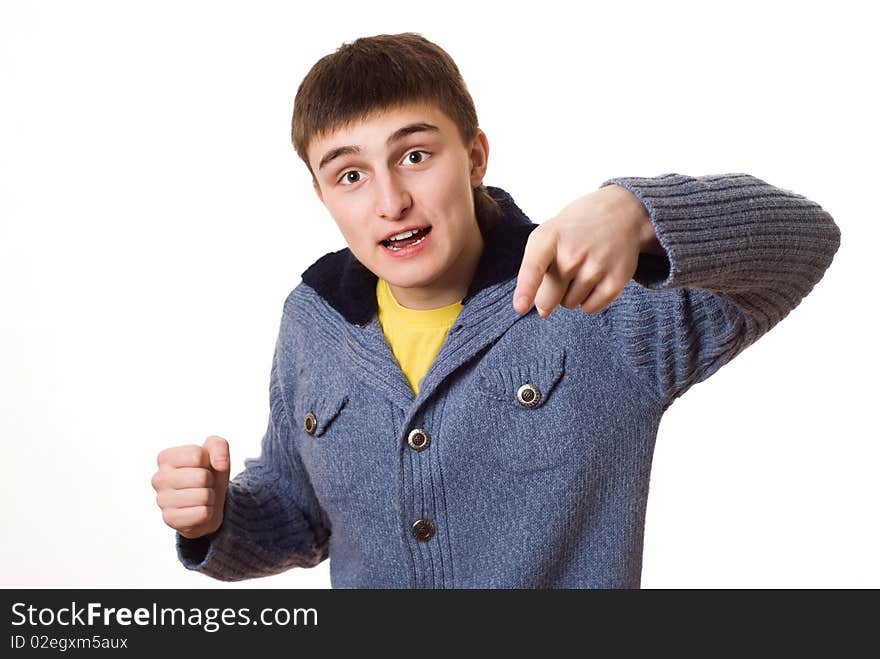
423,530
418,439
528,395
310,423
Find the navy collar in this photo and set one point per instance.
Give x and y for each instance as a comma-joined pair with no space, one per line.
350,288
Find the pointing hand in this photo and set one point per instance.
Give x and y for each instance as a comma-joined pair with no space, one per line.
586,254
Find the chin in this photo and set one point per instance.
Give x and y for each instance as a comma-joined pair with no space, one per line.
396,279
415,278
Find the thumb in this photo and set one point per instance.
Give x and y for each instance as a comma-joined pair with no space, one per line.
217,449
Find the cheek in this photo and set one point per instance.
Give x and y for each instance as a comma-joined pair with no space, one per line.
352,230
448,189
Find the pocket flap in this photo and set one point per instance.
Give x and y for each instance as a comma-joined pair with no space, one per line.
543,372
325,406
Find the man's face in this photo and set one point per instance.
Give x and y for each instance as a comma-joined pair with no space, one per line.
408,169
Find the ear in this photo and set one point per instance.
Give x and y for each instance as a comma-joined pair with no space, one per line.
479,156
318,189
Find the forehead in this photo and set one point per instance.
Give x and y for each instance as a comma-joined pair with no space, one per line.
372,132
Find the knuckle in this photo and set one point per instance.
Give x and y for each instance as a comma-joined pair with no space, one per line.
203,497
595,272
567,267
194,456
569,256
169,517
206,478
600,260
608,288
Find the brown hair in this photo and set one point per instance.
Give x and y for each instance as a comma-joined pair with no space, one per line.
378,73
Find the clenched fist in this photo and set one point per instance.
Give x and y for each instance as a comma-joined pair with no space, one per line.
191,486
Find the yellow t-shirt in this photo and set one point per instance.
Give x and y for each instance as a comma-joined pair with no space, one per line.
414,335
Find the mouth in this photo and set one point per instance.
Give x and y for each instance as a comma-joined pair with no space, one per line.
409,239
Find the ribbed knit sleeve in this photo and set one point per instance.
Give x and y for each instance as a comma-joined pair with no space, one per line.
740,255
272,520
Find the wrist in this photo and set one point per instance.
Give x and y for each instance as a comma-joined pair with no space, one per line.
644,229
648,242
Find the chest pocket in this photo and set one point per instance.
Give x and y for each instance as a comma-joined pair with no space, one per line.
527,418
322,440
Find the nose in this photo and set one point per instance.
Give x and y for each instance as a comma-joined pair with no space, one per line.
392,198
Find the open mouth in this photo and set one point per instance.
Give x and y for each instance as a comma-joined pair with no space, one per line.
414,238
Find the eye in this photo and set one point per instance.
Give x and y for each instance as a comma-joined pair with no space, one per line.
420,159
345,178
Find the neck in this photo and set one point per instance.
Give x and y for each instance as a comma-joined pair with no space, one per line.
451,286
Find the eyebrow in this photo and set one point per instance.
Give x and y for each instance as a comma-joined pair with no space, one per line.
396,136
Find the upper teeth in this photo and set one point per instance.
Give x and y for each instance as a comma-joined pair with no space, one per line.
405,234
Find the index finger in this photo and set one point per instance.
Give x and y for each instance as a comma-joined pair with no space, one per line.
539,254
189,455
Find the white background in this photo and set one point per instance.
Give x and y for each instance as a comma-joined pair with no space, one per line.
154,216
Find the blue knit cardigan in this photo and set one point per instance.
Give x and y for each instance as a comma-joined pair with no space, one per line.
473,484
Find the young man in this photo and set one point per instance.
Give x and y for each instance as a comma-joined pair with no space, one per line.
428,427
